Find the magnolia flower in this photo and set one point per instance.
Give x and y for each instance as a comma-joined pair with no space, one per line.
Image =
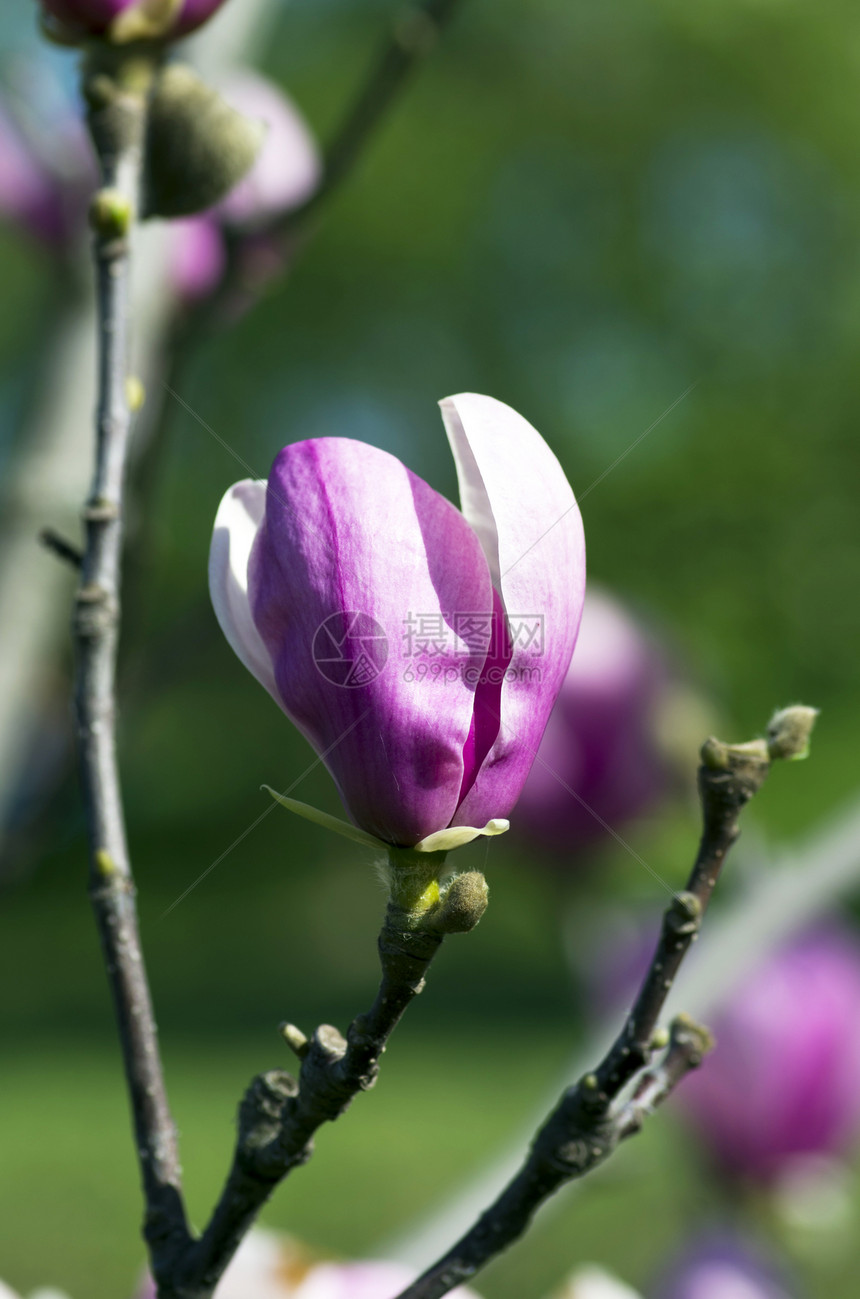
600,761
784,1079
127,19
722,1267
419,649
285,174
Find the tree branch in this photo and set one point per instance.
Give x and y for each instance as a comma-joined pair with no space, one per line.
279,1116
414,34
589,1119
116,94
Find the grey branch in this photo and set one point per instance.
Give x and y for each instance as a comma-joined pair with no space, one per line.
116,120
591,1117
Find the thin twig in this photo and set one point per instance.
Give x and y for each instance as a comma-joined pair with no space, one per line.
61,547
589,1120
415,31
116,120
414,34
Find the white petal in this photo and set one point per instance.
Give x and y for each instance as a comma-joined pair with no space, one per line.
236,524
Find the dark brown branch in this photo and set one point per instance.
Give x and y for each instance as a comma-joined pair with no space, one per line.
116,120
590,1118
279,1116
689,1043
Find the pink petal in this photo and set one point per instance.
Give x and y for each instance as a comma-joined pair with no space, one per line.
355,553
516,497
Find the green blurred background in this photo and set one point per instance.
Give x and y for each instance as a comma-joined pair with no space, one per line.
583,209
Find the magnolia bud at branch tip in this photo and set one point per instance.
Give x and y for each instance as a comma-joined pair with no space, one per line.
326,579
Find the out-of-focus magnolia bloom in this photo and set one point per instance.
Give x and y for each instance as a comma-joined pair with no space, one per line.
418,648
127,19
592,1282
722,1267
285,175
784,1079
600,762
271,1266
46,173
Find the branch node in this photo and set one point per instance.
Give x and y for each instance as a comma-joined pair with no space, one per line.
100,512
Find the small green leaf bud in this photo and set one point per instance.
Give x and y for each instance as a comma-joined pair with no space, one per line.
788,732
110,213
462,906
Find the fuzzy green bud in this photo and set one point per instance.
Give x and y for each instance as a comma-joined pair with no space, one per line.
789,731
197,146
462,905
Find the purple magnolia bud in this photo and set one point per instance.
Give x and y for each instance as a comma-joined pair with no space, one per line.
285,174
722,1266
599,762
419,649
78,18
784,1079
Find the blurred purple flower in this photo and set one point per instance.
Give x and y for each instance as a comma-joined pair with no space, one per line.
784,1079
419,649
285,175
46,173
79,18
722,1266
599,760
